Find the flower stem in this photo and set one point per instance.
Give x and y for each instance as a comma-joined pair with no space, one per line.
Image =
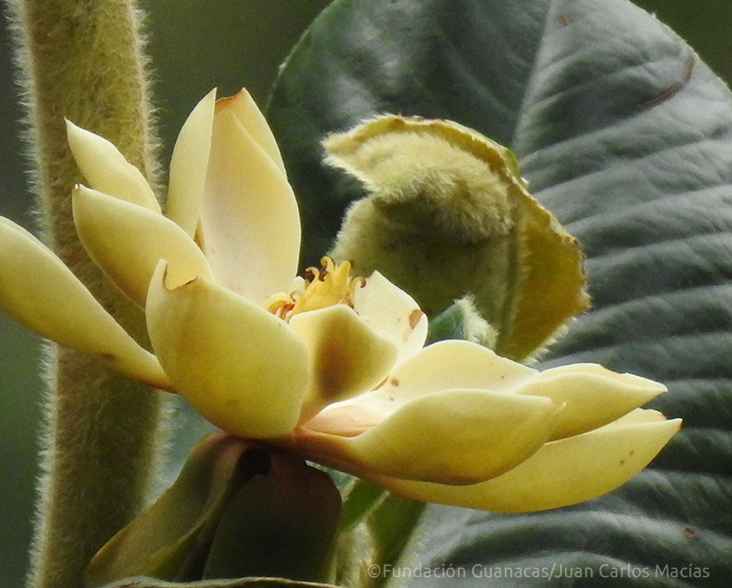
84,61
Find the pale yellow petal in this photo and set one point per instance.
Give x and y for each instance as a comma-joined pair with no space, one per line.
347,357
450,437
127,241
242,368
454,364
393,313
354,416
107,170
445,365
561,473
189,164
251,118
250,226
593,396
39,291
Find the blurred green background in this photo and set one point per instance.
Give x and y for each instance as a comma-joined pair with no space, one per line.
195,45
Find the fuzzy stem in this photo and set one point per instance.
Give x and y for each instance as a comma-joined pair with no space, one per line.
83,60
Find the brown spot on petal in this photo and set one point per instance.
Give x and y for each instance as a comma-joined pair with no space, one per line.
689,532
108,357
393,382
415,317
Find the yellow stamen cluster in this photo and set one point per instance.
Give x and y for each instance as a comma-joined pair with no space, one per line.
328,286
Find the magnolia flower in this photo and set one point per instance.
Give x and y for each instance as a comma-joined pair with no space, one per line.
332,367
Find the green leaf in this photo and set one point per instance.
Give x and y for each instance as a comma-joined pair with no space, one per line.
237,510
360,498
170,540
389,527
375,529
451,323
626,137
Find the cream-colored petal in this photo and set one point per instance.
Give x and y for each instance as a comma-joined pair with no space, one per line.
107,170
189,164
454,364
354,416
347,357
241,367
250,226
593,396
450,437
251,118
127,241
393,313
445,365
561,473
39,291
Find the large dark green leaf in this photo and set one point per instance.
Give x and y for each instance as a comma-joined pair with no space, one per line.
627,138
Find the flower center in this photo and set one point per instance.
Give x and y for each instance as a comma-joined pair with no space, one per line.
332,284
